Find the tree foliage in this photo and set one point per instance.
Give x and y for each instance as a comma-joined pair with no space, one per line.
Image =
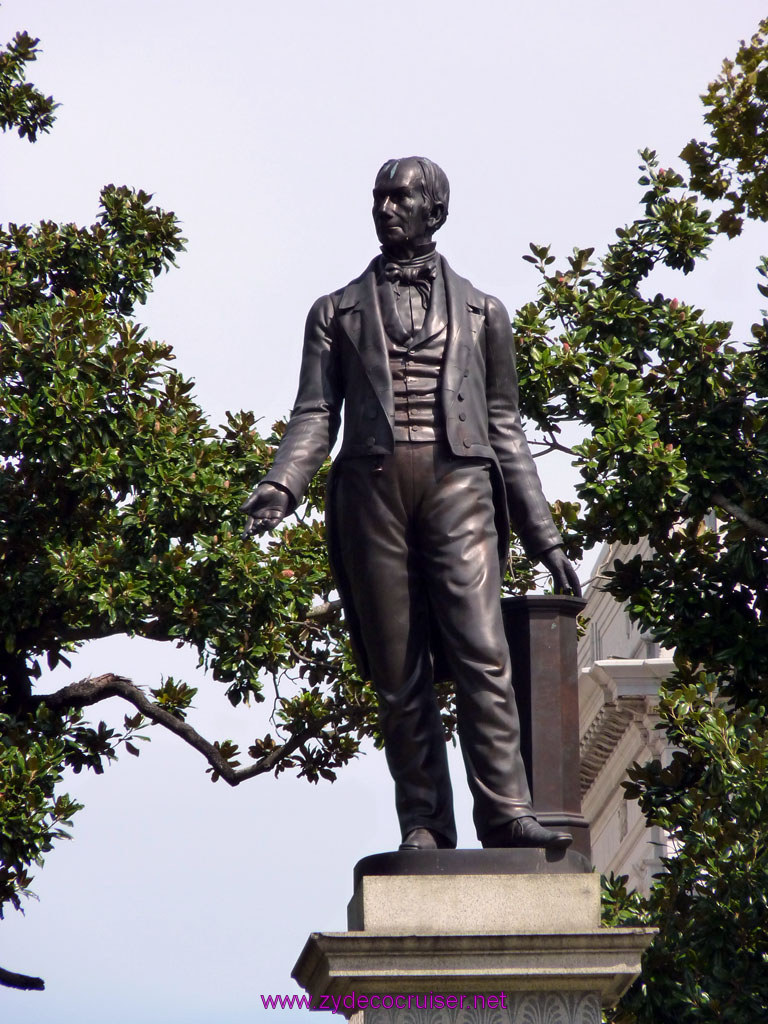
120,511
732,166
22,106
677,452
119,514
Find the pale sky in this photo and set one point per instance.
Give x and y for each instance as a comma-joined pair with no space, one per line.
179,901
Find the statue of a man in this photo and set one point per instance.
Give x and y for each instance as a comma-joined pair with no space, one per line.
433,467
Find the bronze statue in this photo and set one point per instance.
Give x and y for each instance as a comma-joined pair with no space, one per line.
433,467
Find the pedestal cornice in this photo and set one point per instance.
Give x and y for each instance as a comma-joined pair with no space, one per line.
604,960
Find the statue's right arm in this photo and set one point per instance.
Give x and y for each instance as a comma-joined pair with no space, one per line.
312,427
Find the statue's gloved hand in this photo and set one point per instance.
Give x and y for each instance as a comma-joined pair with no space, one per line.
265,507
563,573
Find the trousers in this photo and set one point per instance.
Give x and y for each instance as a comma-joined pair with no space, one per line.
419,548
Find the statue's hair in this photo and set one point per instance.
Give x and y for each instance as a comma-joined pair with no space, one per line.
434,181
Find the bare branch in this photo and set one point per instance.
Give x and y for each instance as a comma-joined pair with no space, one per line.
755,525
560,447
278,700
545,451
550,445
300,656
92,690
23,981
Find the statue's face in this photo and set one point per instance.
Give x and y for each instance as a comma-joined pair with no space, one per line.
401,213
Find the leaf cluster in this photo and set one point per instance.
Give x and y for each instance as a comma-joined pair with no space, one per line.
22,106
32,815
708,961
731,168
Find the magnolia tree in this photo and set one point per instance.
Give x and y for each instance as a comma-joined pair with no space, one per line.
119,508
119,513
677,452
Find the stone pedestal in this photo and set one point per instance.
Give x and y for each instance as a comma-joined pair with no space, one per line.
442,943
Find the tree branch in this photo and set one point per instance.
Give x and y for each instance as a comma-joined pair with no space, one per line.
23,981
537,455
56,630
561,447
755,525
550,445
323,612
93,690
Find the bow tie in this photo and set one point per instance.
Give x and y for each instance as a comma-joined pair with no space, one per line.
418,275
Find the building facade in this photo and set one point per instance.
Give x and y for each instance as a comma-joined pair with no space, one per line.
620,669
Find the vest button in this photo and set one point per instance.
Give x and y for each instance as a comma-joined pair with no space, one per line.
370,441
460,397
467,443
462,416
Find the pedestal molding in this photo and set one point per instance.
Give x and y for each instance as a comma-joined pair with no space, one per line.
604,960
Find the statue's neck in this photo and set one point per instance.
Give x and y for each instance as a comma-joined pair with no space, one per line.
413,254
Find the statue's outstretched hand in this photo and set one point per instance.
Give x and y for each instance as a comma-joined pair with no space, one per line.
265,507
564,575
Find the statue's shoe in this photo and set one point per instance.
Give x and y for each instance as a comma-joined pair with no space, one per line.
424,839
526,831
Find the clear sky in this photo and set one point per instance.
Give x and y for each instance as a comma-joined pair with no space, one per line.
262,127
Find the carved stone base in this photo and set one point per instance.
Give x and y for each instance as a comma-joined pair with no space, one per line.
346,969
518,1008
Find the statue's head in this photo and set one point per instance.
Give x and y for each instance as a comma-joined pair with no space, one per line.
410,203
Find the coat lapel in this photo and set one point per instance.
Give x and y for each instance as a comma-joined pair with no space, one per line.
360,318
466,316
356,296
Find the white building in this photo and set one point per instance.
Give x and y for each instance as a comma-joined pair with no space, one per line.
620,670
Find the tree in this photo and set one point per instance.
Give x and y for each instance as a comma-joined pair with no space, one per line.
119,505
677,452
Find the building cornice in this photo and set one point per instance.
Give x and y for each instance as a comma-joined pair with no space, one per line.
626,694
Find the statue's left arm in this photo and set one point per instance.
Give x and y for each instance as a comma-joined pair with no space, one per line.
529,512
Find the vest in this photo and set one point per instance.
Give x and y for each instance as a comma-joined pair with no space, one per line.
415,363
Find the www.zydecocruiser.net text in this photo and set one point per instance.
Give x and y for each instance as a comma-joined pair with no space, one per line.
353,1001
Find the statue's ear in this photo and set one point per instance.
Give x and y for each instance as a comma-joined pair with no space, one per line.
438,216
